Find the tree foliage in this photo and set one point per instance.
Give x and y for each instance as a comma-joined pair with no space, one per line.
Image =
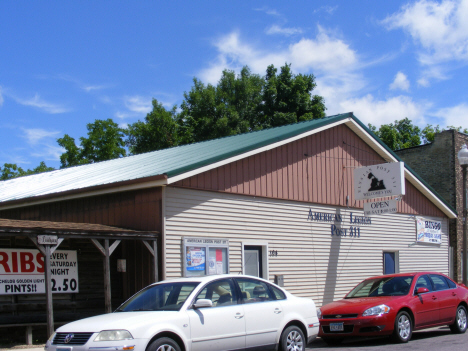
403,134
12,170
158,131
105,141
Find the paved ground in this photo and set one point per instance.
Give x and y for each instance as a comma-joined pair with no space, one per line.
426,340
439,339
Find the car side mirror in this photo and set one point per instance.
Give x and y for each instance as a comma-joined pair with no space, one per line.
422,290
203,303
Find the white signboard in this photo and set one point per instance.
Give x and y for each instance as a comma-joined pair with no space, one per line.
428,231
384,180
47,239
380,207
22,272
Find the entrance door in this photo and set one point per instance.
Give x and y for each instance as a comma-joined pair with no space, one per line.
253,261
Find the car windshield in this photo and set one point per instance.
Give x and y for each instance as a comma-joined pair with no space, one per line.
391,286
160,297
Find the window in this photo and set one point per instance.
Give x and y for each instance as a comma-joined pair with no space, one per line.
220,292
439,282
205,256
160,297
278,293
254,290
451,284
390,262
423,282
392,286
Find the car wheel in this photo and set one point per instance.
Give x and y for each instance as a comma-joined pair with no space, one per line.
292,339
164,344
332,341
403,327
460,324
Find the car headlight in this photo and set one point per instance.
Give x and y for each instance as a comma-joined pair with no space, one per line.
113,335
376,311
319,313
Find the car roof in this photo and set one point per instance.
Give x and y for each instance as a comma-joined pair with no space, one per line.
209,278
403,275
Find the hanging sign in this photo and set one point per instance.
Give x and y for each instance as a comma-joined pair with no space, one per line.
384,180
22,272
428,231
47,239
380,207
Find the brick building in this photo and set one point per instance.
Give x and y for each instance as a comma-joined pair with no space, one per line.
437,164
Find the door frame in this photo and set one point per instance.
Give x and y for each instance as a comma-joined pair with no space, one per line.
264,246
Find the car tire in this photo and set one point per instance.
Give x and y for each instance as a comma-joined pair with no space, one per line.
332,341
403,327
460,325
292,339
163,344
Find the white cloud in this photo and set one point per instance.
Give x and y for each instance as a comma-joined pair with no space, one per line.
41,104
34,136
441,28
138,104
325,54
454,116
49,152
268,11
275,29
89,88
401,82
424,82
327,9
378,112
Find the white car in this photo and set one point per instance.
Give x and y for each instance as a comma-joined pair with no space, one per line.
213,313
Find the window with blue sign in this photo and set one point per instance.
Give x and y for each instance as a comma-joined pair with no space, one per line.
389,262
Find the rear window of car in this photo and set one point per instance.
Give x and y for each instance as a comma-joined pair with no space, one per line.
439,282
279,295
451,284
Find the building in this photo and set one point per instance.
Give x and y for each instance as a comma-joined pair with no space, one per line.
437,163
278,203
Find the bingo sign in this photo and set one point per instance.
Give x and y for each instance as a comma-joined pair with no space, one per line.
22,272
428,231
196,259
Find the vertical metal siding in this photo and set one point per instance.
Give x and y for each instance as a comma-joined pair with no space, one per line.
317,169
314,263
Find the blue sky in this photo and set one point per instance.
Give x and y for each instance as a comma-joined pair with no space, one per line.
64,64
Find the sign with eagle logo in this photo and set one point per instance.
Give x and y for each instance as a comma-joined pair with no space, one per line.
383,180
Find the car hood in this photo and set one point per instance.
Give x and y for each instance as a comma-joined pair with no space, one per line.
357,305
117,320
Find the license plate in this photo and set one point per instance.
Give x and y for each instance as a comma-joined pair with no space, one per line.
64,348
336,327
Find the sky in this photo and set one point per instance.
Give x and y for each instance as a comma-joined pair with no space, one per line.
64,64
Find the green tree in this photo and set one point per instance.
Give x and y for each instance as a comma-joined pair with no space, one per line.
12,170
429,132
105,141
247,102
158,131
288,99
401,134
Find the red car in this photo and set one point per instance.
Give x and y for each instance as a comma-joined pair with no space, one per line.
395,305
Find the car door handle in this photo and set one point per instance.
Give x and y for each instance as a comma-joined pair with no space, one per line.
454,294
238,315
277,310
434,298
